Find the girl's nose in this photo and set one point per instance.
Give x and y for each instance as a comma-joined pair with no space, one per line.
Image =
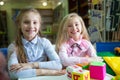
74,27
31,25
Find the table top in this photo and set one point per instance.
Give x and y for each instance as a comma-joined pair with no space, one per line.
63,77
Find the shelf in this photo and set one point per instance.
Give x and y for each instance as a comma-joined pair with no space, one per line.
46,12
3,29
84,4
47,18
80,7
74,8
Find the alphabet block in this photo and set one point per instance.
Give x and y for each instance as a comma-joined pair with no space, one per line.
76,73
81,75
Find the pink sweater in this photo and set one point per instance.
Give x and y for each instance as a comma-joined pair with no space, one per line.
71,56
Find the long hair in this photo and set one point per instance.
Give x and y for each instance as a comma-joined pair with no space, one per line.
18,41
62,35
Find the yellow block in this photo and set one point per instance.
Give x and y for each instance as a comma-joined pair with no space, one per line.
82,75
114,63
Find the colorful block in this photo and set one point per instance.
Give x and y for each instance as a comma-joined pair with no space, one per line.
76,73
81,75
97,70
70,69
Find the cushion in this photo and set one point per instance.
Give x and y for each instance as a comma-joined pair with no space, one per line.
108,68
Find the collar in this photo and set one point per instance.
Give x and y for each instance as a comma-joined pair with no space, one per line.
71,41
34,41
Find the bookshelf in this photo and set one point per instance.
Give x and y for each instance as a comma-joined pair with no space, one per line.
47,23
106,15
97,21
80,7
3,29
47,19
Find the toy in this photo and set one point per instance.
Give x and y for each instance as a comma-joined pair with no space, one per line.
97,70
70,69
81,75
75,72
84,65
117,51
116,77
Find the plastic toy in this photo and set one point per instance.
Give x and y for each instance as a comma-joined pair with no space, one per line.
116,77
97,70
117,51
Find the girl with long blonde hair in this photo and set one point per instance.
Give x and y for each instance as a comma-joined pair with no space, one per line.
73,44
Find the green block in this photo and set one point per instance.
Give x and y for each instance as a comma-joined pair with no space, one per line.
97,63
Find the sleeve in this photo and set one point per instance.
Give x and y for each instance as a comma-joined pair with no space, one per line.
11,49
20,74
91,50
54,60
70,60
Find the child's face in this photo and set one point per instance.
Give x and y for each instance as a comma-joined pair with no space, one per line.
74,28
30,25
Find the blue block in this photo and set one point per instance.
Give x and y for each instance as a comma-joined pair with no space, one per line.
106,46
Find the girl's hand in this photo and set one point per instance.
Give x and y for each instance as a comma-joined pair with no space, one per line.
91,59
99,59
61,72
20,66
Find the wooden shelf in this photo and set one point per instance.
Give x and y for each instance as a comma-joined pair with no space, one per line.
80,7
84,4
3,29
74,9
47,18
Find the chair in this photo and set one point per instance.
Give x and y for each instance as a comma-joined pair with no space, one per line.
4,51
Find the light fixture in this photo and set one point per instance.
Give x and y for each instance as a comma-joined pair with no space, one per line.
44,3
59,3
1,3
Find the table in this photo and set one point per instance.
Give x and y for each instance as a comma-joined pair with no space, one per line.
63,77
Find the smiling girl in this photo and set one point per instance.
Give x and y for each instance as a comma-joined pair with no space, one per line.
73,44
30,51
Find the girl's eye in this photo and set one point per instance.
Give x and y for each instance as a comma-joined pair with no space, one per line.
69,26
26,22
34,22
76,24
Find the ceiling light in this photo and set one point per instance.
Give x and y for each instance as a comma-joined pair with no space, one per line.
44,3
59,3
1,3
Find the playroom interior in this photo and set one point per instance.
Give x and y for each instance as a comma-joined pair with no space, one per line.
102,20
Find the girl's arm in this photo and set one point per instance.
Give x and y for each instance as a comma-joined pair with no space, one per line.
26,70
21,73
54,60
48,72
72,60
91,50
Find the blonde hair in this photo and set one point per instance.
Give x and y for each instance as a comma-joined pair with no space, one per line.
63,36
18,41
